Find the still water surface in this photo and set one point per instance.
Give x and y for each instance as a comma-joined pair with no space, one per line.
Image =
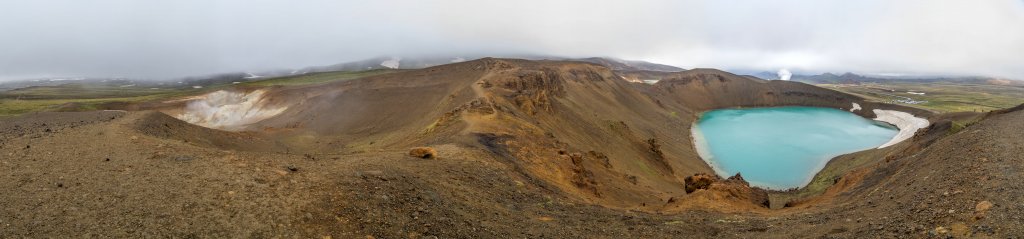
783,147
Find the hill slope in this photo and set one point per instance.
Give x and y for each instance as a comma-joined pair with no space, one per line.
574,126
525,149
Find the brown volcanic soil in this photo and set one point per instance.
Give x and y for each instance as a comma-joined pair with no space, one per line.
525,149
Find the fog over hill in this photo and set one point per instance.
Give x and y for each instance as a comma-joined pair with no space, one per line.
174,39
376,63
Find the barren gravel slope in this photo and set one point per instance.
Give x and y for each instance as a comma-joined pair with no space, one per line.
524,152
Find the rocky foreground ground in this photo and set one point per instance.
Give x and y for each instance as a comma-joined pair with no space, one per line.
94,174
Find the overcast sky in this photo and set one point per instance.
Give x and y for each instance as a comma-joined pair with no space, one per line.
163,39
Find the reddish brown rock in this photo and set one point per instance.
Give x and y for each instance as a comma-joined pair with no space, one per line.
423,152
699,181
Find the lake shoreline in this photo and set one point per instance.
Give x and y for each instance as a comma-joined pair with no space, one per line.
907,123
702,147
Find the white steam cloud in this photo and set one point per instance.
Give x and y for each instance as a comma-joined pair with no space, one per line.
784,74
229,110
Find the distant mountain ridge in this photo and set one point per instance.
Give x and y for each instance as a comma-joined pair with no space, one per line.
376,63
386,63
424,62
629,65
853,78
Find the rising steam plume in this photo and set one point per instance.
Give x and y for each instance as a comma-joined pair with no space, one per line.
784,74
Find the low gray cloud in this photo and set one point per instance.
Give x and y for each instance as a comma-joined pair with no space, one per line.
163,39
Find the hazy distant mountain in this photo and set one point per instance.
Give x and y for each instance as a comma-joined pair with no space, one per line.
628,65
853,78
424,62
385,63
187,82
636,69
766,75
18,84
829,78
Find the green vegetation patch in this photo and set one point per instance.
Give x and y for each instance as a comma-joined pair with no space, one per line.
940,97
92,96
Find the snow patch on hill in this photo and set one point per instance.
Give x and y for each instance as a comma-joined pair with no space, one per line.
392,63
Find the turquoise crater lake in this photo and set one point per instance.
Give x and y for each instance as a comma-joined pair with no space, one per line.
782,147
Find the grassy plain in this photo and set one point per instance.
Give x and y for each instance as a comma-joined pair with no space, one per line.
939,96
93,96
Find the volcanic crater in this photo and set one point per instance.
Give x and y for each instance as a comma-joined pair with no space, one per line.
519,148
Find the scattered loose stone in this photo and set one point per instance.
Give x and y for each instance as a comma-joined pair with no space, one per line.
983,206
292,168
369,173
423,152
979,229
